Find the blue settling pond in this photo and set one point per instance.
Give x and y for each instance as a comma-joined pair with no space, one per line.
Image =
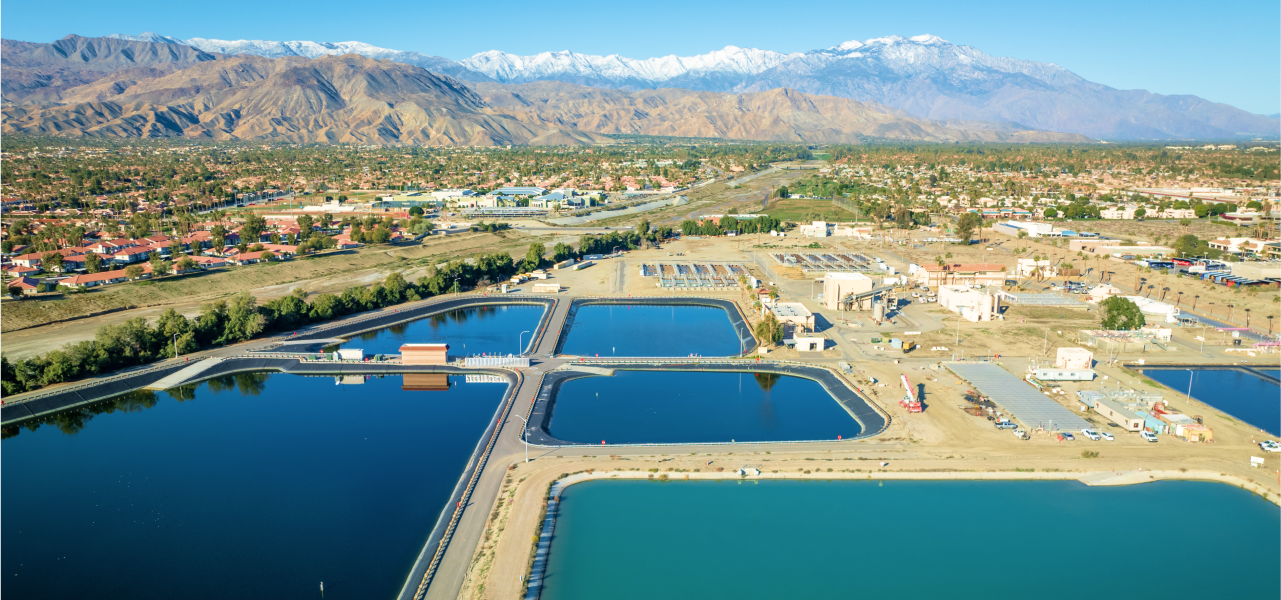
633,407
647,330
478,330
253,486
1237,393
792,539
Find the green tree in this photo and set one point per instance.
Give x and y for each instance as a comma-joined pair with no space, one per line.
416,211
769,330
534,256
186,263
133,271
219,238
93,262
252,230
1051,212
51,262
1121,314
966,225
305,224
561,252
160,266
243,321
1188,244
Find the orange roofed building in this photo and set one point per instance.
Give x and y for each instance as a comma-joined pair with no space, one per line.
977,274
424,354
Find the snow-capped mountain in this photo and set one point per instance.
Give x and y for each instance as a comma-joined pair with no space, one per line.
311,50
925,76
614,70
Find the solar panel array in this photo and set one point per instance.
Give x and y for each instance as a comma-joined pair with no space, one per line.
695,275
825,261
1029,406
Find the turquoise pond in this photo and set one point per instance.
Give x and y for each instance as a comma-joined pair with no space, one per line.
651,330
503,329
665,407
912,539
252,486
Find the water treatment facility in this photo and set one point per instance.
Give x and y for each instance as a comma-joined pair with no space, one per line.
685,416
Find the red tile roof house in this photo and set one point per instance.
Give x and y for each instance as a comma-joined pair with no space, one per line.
29,260
209,262
22,271
109,247
281,250
249,258
26,284
95,279
981,274
35,259
131,255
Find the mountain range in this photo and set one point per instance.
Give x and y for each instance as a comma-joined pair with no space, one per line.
924,76
112,87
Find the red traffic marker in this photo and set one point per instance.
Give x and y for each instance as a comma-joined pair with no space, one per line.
602,442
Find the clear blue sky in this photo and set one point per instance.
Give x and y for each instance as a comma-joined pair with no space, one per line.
1228,51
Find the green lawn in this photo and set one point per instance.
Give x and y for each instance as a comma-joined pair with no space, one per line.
793,209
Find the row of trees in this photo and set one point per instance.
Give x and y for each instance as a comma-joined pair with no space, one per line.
730,223
136,342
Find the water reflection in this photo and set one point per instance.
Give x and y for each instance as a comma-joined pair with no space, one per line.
269,494
498,329
766,380
73,420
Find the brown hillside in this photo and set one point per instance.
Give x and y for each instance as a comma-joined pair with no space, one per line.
330,99
775,115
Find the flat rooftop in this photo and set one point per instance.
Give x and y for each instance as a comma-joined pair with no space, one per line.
790,309
1029,406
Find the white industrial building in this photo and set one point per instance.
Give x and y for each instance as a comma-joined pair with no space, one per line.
973,305
1074,359
838,286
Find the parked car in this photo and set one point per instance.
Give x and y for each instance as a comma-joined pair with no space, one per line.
1067,436
1269,446
1148,435
1090,433
1022,435
1005,425
1107,436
